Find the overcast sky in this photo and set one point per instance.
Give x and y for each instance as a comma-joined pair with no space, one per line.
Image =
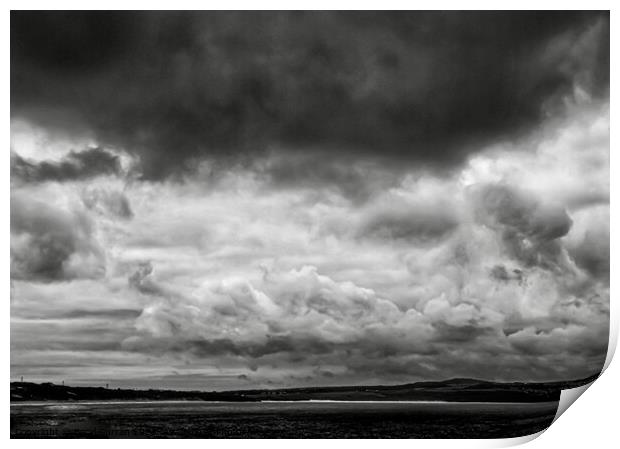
235,200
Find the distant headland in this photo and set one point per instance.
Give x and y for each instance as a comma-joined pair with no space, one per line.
453,390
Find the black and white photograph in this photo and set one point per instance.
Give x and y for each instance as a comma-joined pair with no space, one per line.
306,224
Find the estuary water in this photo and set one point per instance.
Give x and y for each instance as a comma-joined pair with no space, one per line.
278,419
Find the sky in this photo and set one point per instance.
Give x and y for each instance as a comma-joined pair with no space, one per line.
227,200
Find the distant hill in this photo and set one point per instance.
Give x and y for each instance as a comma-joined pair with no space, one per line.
453,390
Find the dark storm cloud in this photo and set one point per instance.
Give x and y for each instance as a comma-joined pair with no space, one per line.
523,214
49,244
593,259
418,86
529,228
593,254
75,166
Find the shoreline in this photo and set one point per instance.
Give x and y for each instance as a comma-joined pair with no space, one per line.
302,401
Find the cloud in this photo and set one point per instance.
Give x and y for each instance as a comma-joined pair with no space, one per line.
399,220
314,255
74,166
529,227
588,245
507,207
297,313
500,273
110,202
422,87
358,182
566,162
117,314
141,280
572,339
50,244
299,320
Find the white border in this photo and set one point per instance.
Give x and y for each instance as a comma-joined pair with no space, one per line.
592,422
